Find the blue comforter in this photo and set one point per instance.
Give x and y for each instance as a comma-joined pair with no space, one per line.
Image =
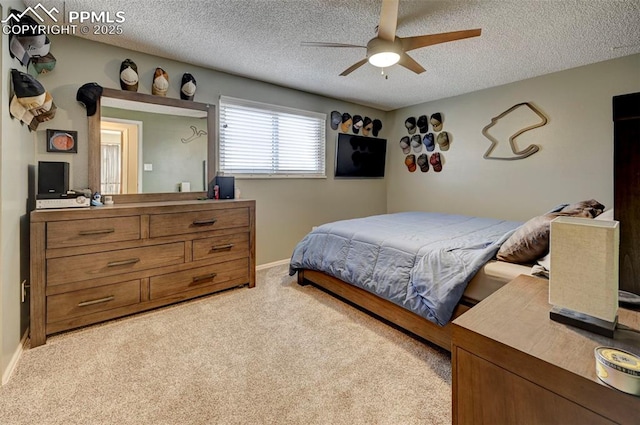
420,261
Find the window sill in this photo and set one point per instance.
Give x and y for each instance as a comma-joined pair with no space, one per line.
273,176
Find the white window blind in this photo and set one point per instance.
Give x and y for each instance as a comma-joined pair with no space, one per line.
268,140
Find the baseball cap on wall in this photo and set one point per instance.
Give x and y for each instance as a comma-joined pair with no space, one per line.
423,123
428,142
357,124
31,42
410,162
41,64
410,123
336,119
416,143
160,84
346,122
423,162
26,88
25,48
405,145
436,121
88,94
377,126
31,103
129,75
188,87
367,125
443,140
44,113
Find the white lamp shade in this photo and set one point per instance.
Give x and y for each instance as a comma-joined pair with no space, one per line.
584,266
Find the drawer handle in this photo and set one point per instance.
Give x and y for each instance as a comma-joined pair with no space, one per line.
98,301
200,279
123,262
222,247
95,232
206,222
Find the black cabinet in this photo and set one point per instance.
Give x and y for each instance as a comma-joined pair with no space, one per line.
626,178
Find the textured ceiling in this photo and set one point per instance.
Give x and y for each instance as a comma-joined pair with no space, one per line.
260,39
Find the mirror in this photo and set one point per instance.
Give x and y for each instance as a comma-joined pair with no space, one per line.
147,148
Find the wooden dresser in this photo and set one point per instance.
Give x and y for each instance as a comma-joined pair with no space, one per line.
513,365
94,264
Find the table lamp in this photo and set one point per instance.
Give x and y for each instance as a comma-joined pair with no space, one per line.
583,279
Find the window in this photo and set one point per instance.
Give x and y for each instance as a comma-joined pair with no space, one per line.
262,140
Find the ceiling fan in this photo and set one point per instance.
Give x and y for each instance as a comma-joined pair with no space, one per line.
387,49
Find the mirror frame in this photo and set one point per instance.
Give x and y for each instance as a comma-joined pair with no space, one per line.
94,144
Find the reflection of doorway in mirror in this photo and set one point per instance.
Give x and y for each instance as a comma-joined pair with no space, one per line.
120,156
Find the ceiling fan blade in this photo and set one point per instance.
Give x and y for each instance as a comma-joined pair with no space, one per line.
388,20
353,67
410,43
410,63
321,44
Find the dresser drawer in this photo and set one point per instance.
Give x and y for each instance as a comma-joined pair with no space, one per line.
234,272
197,221
63,234
221,248
109,263
92,300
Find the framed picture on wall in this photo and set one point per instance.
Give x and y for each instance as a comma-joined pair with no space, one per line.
62,141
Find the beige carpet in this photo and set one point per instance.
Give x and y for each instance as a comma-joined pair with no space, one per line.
275,354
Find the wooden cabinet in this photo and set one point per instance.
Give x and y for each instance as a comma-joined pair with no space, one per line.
91,265
511,364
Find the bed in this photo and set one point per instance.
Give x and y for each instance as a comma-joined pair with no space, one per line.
410,268
420,270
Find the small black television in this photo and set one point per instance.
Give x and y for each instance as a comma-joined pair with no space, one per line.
360,156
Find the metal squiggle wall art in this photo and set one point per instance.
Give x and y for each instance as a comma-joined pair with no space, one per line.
520,154
196,134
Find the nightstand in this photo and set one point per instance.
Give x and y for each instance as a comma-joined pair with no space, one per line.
513,365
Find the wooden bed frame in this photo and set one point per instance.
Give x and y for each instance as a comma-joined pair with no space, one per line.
405,319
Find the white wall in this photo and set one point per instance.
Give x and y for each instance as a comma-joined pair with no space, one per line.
574,161
286,209
16,154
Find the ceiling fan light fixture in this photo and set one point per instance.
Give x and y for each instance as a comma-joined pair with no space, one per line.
384,59
383,53
387,49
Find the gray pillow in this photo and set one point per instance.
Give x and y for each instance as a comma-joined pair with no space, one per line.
531,240
589,209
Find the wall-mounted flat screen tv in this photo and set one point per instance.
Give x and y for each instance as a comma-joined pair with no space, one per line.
360,156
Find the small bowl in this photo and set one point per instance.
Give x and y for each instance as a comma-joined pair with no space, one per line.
619,369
